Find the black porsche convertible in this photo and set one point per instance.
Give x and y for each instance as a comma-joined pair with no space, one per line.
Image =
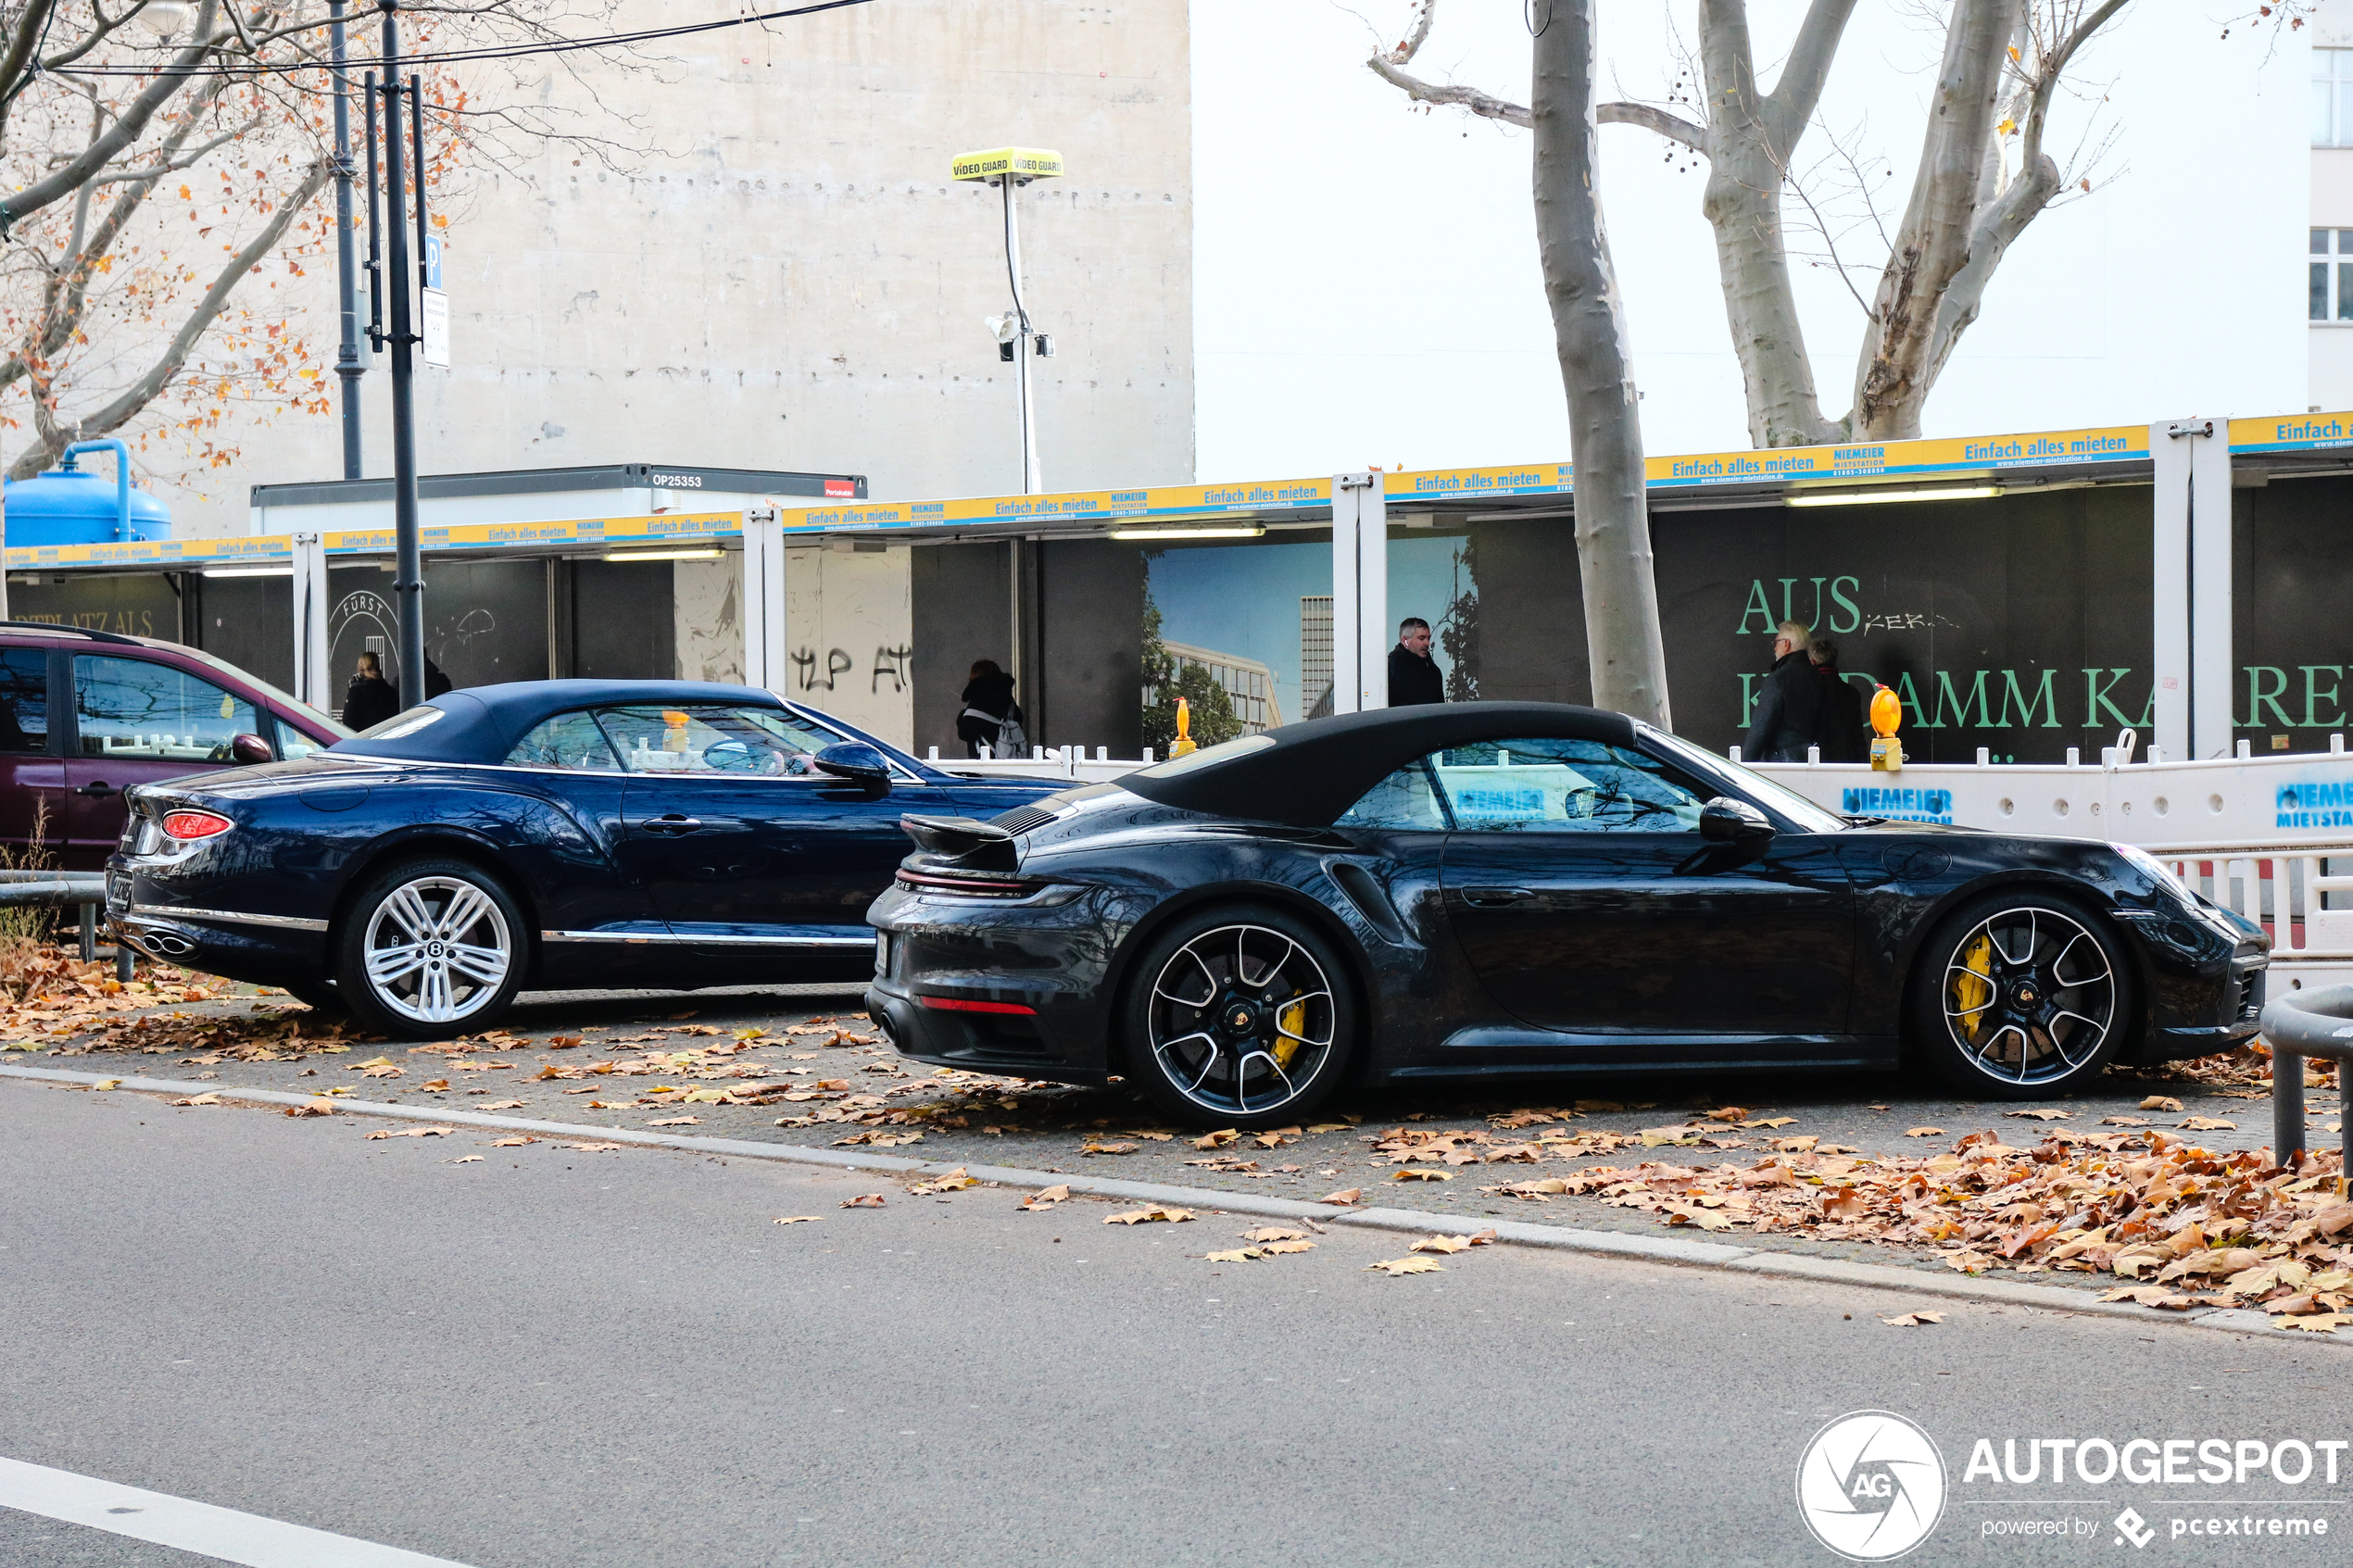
541,833
1489,889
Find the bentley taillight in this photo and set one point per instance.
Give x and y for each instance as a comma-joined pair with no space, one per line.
185,825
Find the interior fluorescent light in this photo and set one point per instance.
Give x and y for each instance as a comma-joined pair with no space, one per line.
1223,531
1872,496
248,572
711,554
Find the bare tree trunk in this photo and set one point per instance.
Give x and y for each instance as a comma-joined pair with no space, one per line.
1892,378
1622,638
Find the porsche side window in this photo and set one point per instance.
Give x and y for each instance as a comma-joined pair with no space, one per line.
1562,786
571,740
754,742
1404,799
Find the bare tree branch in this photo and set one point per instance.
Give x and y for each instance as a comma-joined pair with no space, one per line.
1657,121
1485,105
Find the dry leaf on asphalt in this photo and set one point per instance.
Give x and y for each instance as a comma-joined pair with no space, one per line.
1913,1320
1450,1244
863,1200
1157,1211
1092,1146
1769,1122
2151,1296
1728,1113
1046,1197
954,1181
1272,1233
500,1105
1146,1133
1418,1176
1277,1248
1343,1198
1797,1146
1543,1190
464,1160
596,1148
1395,1266
2039,1113
2316,1322
1240,1255
2160,1102
564,1042
108,1084
434,1087
312,1108
2124,1120
199,1099
1216,1140
511,1143
676,1122
2206,1124
801,1219
411,1133
1925,1133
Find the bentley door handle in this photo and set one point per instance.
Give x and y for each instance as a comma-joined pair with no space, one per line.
671,824
1496,897
97,789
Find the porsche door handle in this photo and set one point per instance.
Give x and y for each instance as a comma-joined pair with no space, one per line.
1496,897
672,823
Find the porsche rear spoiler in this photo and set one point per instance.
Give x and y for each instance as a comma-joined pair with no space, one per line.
967,841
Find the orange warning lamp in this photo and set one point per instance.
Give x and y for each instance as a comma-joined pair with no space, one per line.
1185,745
1887,714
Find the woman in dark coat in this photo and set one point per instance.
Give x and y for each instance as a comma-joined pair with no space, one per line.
988,703
370,699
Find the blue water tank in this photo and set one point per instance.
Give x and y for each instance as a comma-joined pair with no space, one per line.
69,505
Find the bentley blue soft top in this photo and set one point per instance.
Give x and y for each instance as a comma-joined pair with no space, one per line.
483,723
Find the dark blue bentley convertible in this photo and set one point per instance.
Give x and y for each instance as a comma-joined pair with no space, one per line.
540,834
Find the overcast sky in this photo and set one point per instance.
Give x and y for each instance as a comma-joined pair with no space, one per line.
1366,282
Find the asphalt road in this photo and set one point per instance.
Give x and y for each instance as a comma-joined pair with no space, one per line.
1108,1132
540,1357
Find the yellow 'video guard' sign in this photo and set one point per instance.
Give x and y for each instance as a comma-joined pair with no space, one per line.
1026,163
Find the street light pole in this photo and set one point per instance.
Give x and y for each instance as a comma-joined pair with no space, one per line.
1033,481
408,582
1017,340
349,370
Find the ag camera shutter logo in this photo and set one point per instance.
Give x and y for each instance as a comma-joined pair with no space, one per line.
1870,1485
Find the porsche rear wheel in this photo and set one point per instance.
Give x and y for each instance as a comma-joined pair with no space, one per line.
1239,1018
2019,995
431,948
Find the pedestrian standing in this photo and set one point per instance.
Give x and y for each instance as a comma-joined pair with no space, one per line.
370,699
1414,678
1790,703
989,711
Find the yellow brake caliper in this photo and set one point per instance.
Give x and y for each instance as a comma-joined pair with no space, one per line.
1974,989
1289,1024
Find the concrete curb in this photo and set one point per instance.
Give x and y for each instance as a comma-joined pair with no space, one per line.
1611,1244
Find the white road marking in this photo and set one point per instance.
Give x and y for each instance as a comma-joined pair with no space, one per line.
192,1526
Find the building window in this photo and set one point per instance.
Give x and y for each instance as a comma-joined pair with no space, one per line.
2331,288
2332,97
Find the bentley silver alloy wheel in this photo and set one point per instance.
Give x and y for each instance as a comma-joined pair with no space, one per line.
438,949
1241,1020
2030,995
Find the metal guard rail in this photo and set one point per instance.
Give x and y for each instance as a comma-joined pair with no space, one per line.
2301,1023
87,889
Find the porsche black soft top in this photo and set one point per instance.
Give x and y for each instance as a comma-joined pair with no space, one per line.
483,723
1307,775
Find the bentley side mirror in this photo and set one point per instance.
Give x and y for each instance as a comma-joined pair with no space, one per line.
1726,820
857,762
251,750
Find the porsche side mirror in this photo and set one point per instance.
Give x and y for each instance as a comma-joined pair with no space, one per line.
249,750
1726,820
857,762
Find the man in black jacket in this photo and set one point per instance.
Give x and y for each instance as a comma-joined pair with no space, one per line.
1412,674
1789,707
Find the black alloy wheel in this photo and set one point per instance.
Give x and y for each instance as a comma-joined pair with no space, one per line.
1238,1017
430,950
2017,995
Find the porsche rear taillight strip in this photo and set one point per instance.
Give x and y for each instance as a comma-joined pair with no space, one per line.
970,887
969,1004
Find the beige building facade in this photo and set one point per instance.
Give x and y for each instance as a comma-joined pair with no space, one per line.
2329,307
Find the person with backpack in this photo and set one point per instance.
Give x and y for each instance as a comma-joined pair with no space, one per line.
990,717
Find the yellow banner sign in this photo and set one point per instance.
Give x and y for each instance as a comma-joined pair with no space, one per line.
1022,163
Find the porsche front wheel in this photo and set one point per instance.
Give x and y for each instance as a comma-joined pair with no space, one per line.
2019,995
1239,1018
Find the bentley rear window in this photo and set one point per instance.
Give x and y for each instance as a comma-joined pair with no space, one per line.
760,742
570,741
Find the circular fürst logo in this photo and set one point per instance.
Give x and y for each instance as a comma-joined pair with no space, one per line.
1870,1485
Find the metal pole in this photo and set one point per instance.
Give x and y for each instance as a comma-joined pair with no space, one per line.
407,584
348,367
1033,479
2287,1104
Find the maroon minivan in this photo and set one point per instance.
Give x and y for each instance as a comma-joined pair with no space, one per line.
85,715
